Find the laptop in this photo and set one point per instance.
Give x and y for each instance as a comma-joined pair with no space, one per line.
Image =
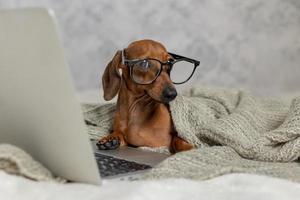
39,111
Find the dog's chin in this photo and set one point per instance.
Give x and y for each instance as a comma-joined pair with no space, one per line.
154,97
166,101
158,99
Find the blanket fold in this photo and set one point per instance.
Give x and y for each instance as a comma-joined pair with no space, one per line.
237,119
14,160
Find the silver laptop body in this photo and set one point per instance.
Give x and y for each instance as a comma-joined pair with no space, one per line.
38,108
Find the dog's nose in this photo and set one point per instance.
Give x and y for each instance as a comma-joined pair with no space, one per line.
169,93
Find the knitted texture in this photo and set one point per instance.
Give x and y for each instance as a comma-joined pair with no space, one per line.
233,131
256,128
209,162
15,161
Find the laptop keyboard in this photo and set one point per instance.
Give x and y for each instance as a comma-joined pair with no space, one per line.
110,166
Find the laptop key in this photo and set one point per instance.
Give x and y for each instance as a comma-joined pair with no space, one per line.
110,166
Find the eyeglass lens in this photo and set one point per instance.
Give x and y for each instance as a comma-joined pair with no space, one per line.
145,71
181,71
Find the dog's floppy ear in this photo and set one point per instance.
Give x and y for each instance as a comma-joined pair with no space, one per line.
111,79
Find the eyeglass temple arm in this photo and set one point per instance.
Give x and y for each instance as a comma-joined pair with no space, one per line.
123,57
176,56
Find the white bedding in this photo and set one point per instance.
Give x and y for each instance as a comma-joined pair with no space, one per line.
233,186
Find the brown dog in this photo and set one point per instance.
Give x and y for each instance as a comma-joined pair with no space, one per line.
142,116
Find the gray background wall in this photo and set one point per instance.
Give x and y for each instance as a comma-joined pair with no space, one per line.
253,44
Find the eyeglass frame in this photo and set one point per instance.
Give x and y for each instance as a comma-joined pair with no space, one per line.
176,58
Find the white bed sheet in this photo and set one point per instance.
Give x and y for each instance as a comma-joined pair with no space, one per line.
232,186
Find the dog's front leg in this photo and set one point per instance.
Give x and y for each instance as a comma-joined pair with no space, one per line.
112,141
178,144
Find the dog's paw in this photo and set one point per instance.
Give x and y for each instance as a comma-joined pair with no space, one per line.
108,143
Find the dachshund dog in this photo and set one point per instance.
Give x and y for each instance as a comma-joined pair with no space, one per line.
142,115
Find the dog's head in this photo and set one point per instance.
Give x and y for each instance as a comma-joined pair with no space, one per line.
117,73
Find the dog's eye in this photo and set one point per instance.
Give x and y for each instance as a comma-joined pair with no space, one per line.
144,65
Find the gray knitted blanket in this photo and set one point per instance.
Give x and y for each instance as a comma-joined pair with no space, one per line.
233,131
14,160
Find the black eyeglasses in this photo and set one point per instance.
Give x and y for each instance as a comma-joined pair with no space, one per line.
145,71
